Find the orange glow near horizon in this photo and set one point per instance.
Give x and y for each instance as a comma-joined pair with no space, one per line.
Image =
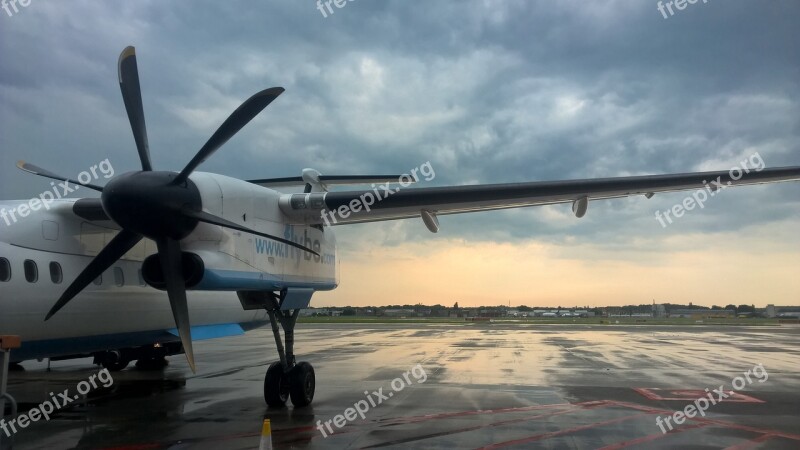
702,269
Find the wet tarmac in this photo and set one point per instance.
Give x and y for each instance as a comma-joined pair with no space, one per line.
499,385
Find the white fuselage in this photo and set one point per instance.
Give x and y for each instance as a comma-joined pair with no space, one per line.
121,307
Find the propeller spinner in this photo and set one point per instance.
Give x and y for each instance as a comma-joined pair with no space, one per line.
162,206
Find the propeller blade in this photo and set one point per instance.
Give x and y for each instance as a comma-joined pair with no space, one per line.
132,96
122,242
169,251
36,170
203,216
238,119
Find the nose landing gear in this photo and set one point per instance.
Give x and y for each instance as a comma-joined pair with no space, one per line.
285,379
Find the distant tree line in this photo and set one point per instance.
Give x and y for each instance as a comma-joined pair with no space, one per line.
440,310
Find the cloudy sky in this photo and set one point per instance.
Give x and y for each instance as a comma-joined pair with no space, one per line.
488,91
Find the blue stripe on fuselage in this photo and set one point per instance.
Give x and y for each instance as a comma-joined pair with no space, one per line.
83,345
236,280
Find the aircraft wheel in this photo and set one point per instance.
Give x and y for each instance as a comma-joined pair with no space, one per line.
157,363
276,386
114,361
302,384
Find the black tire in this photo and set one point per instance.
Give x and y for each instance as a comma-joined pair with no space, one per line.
116,366
276,386
152,364
114,361
302,384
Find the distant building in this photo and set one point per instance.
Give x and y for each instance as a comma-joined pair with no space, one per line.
321,312
466,312
788,312
770,311
398,312
490,313
703,313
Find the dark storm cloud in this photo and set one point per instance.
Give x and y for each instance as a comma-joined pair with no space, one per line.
488,91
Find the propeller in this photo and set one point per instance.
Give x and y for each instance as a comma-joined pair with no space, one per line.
160,205
243,114
132,97
36,170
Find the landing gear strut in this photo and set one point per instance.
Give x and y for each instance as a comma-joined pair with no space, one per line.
286,378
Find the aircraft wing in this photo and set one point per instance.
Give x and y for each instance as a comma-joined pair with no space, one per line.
346,207
329,180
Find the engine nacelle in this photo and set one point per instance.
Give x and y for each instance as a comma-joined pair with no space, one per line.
193,270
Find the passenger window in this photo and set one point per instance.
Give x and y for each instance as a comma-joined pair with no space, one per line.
56,275
119,277
5,270
31,271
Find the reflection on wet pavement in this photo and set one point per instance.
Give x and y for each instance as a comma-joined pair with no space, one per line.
488,386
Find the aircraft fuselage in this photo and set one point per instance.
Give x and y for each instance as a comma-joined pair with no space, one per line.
47,248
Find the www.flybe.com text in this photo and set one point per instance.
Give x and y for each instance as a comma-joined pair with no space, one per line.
281,250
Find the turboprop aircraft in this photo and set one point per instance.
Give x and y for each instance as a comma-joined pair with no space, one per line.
228,254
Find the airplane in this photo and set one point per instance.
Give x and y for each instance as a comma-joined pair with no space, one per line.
227,255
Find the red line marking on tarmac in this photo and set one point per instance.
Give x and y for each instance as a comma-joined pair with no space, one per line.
752,443
539,437
653,437
693,394
722,423
354,427
764,434
294,430
428,417
700,422
472,428
416,419
413,419
167,444
136,447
